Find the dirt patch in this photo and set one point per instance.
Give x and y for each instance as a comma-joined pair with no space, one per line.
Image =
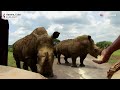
114,59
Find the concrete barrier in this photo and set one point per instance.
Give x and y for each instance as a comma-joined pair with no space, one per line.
7,72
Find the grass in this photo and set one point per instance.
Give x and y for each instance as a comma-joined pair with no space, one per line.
112,61
114,57
116,53
11,61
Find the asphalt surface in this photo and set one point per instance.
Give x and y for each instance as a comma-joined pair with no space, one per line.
90,71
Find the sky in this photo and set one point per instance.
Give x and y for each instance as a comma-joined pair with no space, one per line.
101,25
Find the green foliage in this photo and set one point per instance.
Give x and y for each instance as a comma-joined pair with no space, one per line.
116,53
112,61
114,57
10,49
11,61
56,41
9,46
103,44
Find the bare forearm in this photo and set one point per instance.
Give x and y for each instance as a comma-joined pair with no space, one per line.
114,46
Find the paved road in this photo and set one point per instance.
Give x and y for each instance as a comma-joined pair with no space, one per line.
90,71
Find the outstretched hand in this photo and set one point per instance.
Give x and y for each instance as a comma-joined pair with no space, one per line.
103,58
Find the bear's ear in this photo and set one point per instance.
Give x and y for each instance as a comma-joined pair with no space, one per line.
55,35
89,37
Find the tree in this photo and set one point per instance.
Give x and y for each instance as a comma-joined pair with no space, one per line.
103,44
56,41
